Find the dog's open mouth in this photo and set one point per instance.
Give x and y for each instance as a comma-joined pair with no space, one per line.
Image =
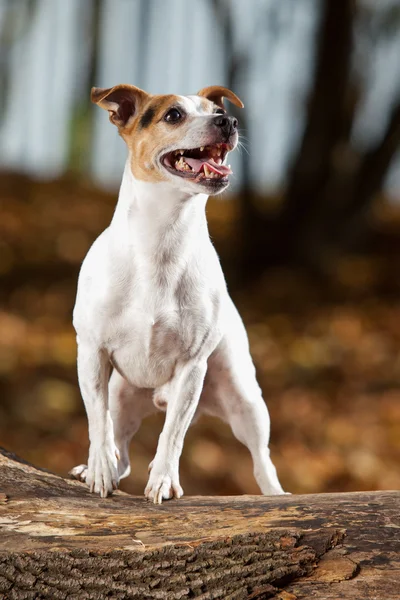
204,163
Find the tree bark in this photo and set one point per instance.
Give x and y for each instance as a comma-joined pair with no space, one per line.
58,541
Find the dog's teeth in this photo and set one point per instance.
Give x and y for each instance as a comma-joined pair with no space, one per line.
201,148
180,164
206,171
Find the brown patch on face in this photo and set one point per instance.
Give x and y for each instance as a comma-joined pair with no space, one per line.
121,101
139,117
146,137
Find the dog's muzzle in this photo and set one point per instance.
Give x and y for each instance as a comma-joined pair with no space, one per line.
227,125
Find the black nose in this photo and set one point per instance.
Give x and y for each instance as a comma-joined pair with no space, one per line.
228,125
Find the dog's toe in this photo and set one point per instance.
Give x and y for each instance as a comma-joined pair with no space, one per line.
162,487
102,472
79,473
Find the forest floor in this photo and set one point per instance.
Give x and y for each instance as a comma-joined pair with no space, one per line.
327,357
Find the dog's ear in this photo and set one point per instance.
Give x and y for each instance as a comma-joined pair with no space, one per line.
122,102
217,93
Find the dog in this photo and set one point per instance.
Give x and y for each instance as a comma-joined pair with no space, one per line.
156,327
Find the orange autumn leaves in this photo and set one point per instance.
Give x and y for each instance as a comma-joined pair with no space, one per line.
328,360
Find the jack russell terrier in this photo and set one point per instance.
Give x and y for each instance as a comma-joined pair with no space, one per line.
156,328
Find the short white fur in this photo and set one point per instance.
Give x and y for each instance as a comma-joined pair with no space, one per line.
157,330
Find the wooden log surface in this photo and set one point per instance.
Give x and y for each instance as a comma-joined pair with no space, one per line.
58,541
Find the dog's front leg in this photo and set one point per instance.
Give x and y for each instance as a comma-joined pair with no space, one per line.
182,395
93,374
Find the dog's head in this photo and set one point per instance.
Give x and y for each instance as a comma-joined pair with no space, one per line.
181,139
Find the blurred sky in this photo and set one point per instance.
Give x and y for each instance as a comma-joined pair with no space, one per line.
53,51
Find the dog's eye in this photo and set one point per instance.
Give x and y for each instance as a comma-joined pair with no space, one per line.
173,115
220,111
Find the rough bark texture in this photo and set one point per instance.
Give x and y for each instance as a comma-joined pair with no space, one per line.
58,541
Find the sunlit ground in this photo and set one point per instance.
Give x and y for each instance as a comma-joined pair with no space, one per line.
328,360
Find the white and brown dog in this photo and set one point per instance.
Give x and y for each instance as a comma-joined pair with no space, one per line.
152,307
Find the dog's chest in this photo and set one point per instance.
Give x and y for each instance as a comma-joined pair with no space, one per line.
149,332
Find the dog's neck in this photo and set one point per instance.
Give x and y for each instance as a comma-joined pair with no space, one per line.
156,216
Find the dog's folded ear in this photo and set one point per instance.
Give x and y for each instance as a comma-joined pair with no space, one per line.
217,93
122,102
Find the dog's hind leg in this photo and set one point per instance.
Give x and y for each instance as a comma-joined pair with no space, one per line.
128,407
232,393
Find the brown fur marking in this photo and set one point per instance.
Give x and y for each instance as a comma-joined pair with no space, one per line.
145,133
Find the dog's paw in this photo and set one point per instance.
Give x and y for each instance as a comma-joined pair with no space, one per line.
102,471
162,486
78,473
276,492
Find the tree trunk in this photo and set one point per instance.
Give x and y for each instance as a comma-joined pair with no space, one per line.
60,542
326,133
374,166
344,217
286,236
331,188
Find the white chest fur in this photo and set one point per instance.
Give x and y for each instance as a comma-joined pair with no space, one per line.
147,288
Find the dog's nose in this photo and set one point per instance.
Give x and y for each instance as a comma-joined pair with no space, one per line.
228,125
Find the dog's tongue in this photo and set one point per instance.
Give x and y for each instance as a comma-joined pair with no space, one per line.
197,163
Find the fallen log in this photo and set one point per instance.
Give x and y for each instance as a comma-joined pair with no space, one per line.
58,541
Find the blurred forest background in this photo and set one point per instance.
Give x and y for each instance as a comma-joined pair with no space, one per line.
308,234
